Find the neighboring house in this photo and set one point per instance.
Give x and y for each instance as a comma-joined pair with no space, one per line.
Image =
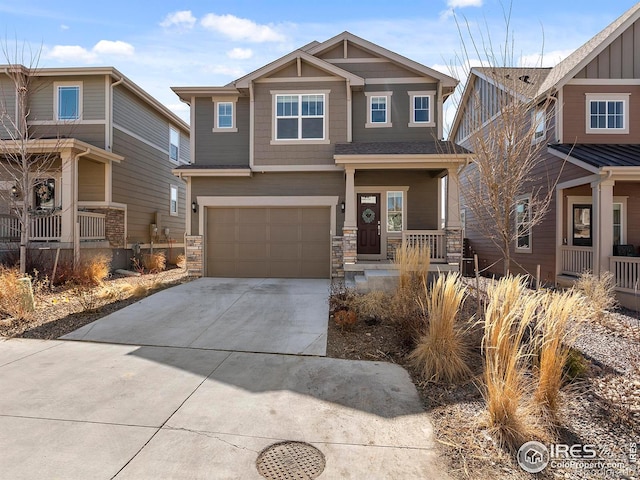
593,137
110,186
320,162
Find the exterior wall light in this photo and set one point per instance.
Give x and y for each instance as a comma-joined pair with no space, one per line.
194,207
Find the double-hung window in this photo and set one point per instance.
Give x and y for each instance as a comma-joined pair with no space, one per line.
421,109
378,109
174,144
225,115
607,113
523,224
300,117
68,101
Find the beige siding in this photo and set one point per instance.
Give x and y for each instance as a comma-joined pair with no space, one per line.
91,185
134,115
575,114
378,70
93,97
93,134
306,70
618,60
7,106
296,153
142,182
271,184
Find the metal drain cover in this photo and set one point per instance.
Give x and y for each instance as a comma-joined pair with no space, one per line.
290,460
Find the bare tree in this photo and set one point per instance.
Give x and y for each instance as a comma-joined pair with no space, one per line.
23,162
507,189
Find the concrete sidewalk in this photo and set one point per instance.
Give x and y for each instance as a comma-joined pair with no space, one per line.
84,410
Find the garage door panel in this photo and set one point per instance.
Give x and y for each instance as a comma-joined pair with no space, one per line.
276,242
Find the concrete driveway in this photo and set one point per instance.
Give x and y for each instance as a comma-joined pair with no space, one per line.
248,315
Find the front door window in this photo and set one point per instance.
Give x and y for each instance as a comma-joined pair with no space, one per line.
582,233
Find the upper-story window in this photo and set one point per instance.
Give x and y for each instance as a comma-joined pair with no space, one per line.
174,144
378,109
607,113
225,115
68,101
421,109
300,117
539,125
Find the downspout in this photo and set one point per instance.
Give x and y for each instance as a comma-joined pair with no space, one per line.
110,125
76,228
598,217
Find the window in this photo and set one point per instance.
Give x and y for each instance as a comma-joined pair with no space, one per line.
539,119
394,211
421,109
378,109
607,113
68,101
300,117
174,144
523,227
173,201
582,235
618,238
225,115
579,221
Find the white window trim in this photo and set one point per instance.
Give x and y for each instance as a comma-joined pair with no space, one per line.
534,121
174,129
175,188
369,123
217,128
299,141
587,200
56,97
412,119
529,248
607,97
386,210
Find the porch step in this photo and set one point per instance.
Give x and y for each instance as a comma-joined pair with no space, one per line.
377,280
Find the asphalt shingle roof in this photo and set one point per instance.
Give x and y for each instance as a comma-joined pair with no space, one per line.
400,148
600,156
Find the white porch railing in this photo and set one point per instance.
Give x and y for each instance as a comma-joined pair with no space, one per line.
9,228
576,260
46,227
626,271
92,225
436,240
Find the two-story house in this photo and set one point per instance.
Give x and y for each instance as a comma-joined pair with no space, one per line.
320,164
110,149
592,151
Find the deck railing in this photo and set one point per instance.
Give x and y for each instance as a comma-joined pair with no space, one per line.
626,272
576,260
436,240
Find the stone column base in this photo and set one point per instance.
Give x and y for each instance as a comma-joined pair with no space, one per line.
349,245
454,245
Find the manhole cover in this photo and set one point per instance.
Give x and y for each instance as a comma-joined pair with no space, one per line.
290,460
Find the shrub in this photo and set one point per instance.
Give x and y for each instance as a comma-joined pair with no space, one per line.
599,292
181,261
413,266
345,318
341,297
154,262
16,297
575,366
93,271
372,305
441,353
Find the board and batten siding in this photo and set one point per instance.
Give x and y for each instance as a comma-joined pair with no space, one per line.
221,148
575,112
93,97
142,181
296,153
271,184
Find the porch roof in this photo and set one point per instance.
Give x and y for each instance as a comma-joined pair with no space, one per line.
72,146
601,156
436,147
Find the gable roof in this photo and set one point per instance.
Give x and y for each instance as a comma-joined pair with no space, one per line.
446,80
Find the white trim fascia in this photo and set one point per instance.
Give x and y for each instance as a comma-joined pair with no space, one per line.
296,168
570,159
576,182
98,204
357,60
332,78
390,160
269,201
604,81
143,140
212,172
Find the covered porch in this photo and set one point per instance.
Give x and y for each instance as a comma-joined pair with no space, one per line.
598,219
400,193
68,197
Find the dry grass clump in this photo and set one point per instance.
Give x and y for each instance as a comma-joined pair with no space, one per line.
555,335
341,297
16,295
181,261
93,271
154,262
371,306
599,292
513,415
441,353
413,265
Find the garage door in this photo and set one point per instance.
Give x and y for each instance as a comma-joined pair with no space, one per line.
288,242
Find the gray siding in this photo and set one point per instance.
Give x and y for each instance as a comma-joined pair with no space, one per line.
618,60
93,97
271,184
93,134
142,181
400,116
7,106
377,70
134,115
221,148
296,153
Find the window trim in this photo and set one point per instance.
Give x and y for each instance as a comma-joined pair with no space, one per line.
173,129
56,101
430,94
403,195
607,97
535,123
174,188
233,100
527,249
387,123
299,141
588,200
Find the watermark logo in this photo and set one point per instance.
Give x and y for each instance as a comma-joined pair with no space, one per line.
533,457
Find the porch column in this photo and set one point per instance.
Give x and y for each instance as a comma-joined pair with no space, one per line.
602,233
69,201
453,226
350,228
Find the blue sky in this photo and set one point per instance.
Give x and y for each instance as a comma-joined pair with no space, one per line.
166,43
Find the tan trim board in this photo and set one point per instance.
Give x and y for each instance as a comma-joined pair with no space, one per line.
67,122
209,172
357,60
399,80
299,79
297,168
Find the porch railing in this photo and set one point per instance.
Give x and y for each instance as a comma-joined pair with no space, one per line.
9,228
576,260
436,240
92,225
48,228
626,272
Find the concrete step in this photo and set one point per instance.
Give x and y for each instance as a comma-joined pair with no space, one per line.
382,280
361,284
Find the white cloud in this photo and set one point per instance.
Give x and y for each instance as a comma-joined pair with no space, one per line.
464,3
64,27
548,59
240,53
241,29
182,19
78,54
